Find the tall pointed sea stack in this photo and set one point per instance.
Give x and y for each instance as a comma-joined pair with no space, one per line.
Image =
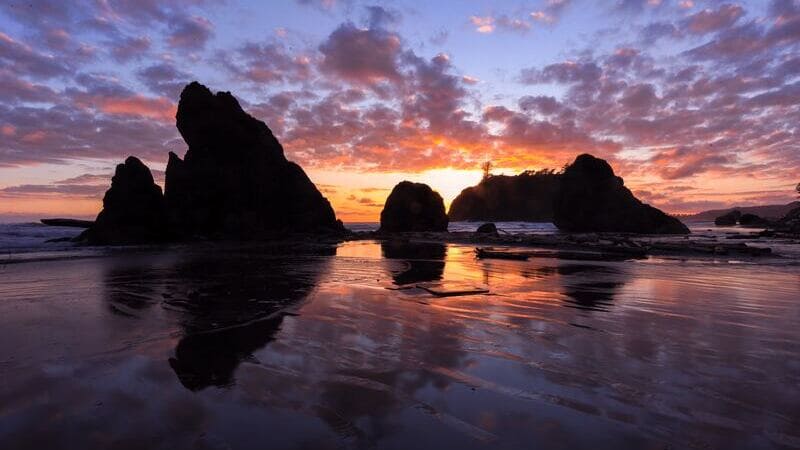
235,180
592,198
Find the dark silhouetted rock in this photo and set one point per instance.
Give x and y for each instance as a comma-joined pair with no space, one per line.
73,223
413,207
234,180
526,197
487,228
752,220
771,212
790,223
133,209
592,199
731,218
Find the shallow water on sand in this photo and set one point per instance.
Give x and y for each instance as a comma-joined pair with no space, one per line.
323,347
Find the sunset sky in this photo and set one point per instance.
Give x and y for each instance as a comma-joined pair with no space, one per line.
696,104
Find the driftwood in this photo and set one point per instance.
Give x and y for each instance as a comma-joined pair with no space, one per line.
75,223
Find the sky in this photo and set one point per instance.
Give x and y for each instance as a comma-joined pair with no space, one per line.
696,104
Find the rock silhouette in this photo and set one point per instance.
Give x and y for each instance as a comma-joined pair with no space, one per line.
771,212
731,218
592,199
133,209
413,207
526,197
487,228
753,220
73,223
234,180
790,223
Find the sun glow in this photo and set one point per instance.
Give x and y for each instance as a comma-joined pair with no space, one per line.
359,197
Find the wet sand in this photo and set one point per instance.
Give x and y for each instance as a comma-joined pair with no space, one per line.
336,347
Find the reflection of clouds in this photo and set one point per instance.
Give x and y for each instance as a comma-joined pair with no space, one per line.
678,353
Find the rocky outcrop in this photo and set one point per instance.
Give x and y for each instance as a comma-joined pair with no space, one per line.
731,218
413,207
487,228
235,180
753,220
133,209
72,223
770,212
525,197
592,199
790,223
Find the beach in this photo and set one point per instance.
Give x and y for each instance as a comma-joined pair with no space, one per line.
346,345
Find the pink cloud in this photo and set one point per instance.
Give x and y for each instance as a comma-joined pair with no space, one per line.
189,32
362,56
710,20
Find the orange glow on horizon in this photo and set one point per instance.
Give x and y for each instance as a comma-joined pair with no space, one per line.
360,196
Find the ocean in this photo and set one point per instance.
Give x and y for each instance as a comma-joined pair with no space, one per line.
26,240
32,237
347,346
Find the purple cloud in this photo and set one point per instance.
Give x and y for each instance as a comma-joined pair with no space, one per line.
189,32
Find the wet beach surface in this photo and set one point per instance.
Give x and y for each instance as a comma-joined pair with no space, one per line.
320,347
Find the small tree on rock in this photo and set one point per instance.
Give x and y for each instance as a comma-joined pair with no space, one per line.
486,167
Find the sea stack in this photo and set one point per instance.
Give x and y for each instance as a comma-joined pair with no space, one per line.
133,209
525,197
234,180
728,219
413,207
790,223
592,199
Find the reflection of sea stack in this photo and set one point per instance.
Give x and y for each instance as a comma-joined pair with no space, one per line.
592,198
425,260
413,207
133,208
233,303
235,179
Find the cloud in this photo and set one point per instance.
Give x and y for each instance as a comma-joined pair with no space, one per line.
163,79
14,89
190,32
380,17
21,58
551,12
88,191
129,48
488,24
483,24
64,133
264,63
656,31
362,56
367,98
322,4
564,72
710,20
439,37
